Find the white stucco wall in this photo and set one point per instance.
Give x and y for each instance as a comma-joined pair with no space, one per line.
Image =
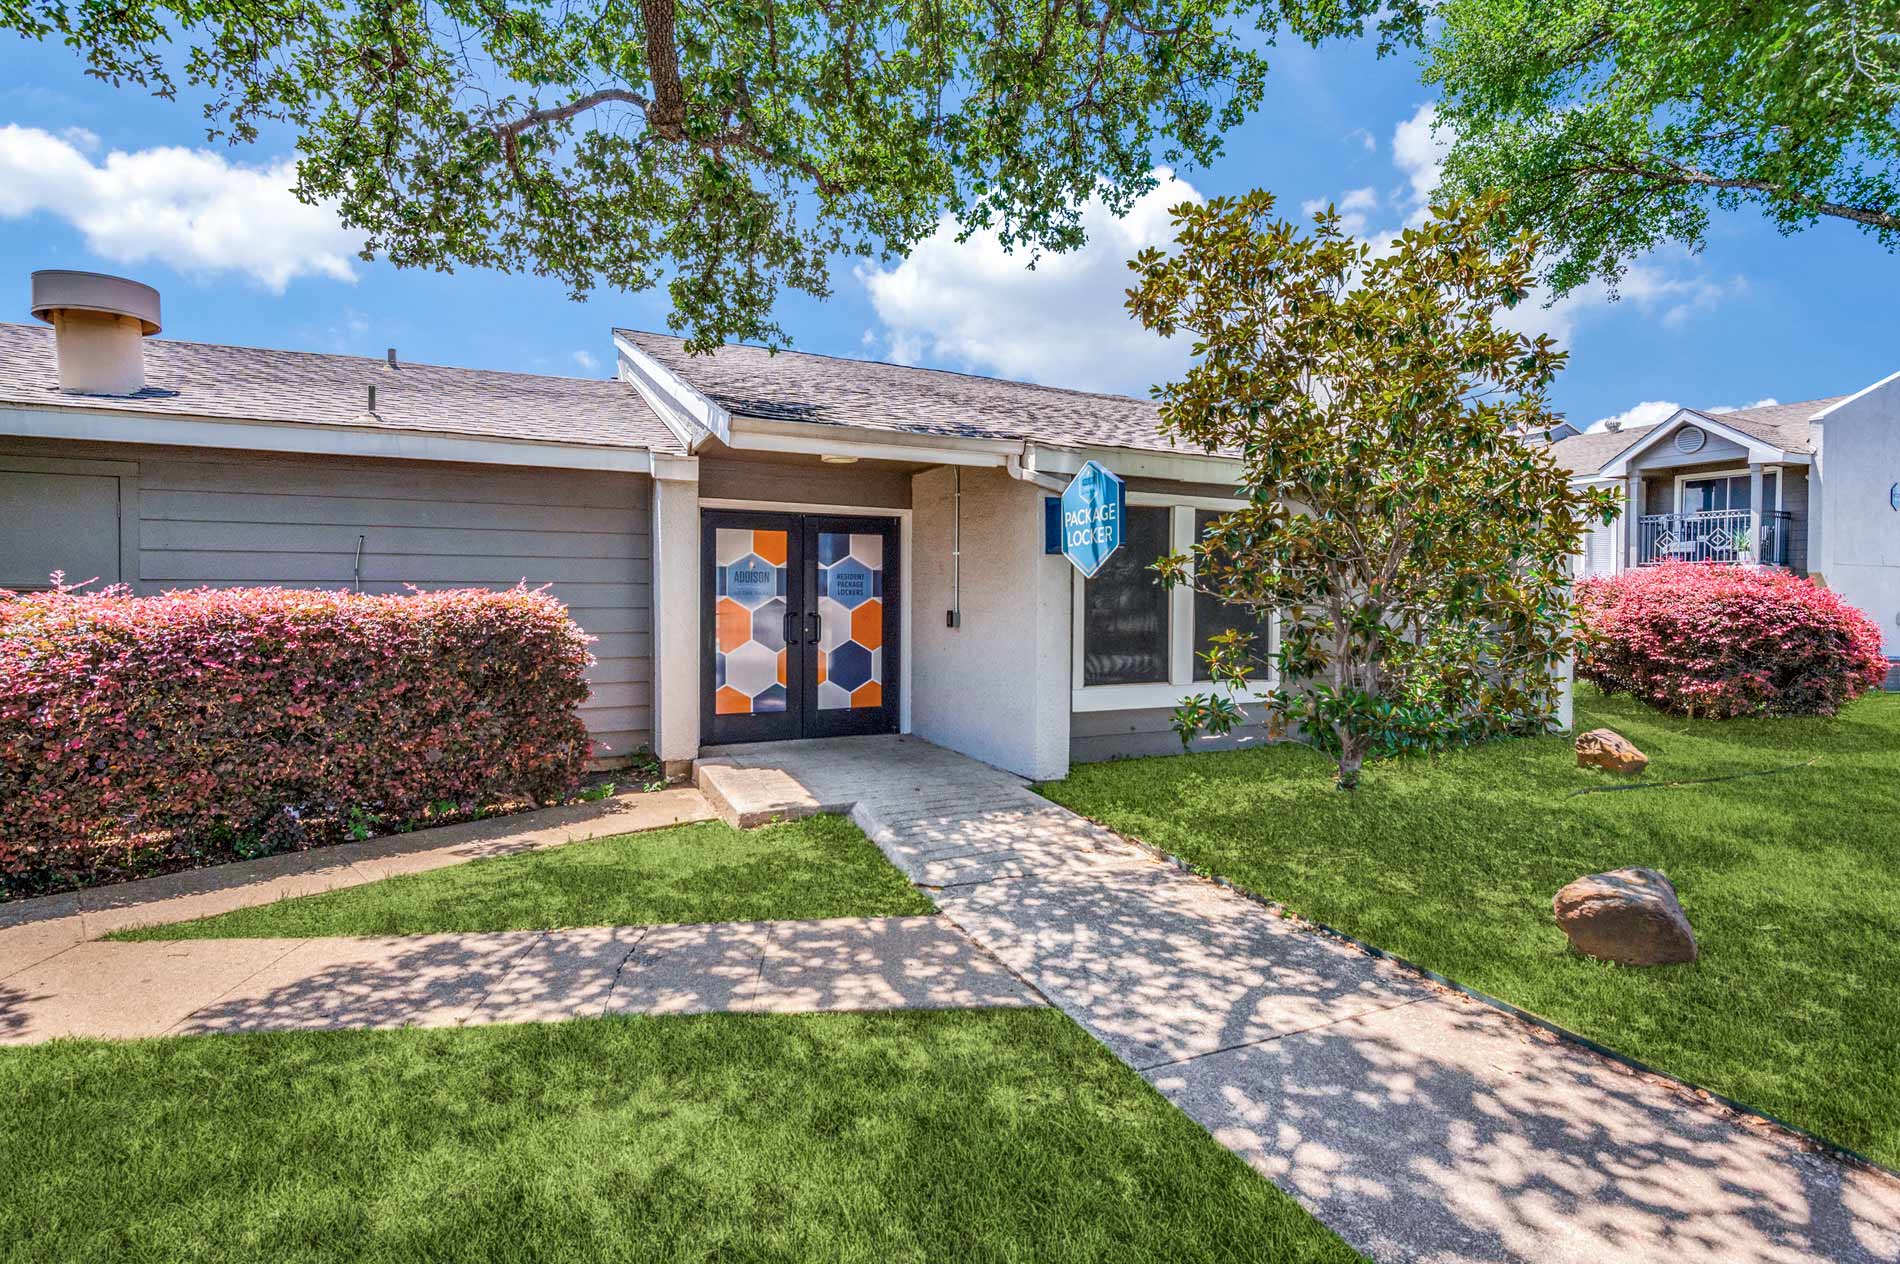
676,597
997,686
1857,549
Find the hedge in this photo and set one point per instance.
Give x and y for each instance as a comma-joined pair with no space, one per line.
1715,639
145,734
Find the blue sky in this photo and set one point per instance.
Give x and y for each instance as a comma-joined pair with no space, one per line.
102,178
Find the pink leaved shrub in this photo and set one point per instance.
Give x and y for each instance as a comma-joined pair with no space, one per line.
145,734
1712,639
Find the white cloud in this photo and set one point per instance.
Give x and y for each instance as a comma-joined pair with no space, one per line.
190,209
972,305
1735,408
585,361
1353,207
1652,411
1674,294
1647,413
1418,151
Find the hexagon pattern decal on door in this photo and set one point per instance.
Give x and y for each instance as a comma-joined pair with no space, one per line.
851,615
749,671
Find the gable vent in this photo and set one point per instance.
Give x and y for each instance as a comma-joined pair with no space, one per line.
1690,439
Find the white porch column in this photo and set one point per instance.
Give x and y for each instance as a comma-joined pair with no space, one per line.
676,611
1632,522
1754,512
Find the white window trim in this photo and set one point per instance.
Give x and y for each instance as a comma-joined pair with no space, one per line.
1739,471
1180,683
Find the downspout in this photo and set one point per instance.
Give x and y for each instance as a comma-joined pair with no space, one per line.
953,618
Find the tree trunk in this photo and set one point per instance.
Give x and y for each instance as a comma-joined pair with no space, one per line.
1352,756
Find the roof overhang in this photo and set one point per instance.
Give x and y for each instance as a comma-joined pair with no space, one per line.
100,425
1050,466
1760,451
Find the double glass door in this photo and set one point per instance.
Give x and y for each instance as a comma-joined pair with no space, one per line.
800,613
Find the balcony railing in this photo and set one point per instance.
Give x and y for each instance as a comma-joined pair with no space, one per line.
1718,536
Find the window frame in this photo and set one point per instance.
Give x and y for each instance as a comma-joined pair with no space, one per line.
1180,682
1730,472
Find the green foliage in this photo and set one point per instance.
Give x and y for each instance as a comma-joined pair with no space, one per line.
821,866
1416,553
980,1135
1778,834
1616,126
726,148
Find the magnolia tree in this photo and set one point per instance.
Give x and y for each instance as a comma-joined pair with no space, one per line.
1416,553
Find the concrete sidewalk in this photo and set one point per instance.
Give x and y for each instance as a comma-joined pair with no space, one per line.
33,930
155,988
1419,1124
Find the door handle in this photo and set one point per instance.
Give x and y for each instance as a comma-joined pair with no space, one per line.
815,630
790,627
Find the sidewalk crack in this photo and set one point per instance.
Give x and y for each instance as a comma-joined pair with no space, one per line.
1280,1035
295,945
514,964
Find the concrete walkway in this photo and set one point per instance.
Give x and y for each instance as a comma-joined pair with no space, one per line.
155,988
1417,1123
34,930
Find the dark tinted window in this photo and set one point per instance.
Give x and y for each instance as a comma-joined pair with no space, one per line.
1125,608
1213,616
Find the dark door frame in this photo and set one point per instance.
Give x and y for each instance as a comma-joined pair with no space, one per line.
801,629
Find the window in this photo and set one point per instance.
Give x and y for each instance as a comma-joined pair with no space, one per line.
1125,622
1725,493
1135,641
1212,616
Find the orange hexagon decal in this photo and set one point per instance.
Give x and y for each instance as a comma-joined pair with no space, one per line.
781,667
821,666
735,624
868,694
770,545
729,701
867,625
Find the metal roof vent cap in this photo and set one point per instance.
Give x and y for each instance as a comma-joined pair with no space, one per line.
99,327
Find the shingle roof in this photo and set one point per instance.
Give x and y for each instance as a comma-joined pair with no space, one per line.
1593,449
198,379
869,394
1783,425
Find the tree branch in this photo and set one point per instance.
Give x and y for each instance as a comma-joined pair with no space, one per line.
1682,175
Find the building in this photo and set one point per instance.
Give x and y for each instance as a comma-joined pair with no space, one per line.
765,546
1813,486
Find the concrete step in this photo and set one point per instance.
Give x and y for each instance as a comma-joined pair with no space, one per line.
747,796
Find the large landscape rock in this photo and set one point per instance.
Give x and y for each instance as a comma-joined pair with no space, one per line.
1628,915
1606,748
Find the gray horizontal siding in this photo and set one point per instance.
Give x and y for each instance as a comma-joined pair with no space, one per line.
1099,735
233,519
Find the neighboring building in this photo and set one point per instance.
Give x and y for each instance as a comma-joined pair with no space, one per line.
1813,486
766,546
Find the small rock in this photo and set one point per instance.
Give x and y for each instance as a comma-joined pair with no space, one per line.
1606,748
1629,916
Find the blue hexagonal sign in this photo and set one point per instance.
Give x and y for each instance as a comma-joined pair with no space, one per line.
1092,518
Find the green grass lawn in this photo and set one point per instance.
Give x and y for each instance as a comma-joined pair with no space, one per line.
1792,882
988,1135
822,866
